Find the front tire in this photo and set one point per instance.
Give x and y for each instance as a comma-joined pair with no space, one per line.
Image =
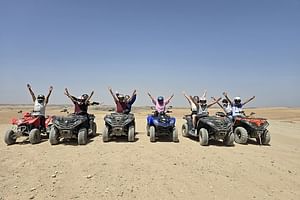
148,130
82,136
94,129
266,138
131,134
34,136
152,133
10,137
240,135
53,136
184,130
229,139
175,135
105,134
203,137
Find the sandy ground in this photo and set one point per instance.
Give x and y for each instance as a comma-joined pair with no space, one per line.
162,170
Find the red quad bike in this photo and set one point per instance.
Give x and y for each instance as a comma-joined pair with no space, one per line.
28,126
248,127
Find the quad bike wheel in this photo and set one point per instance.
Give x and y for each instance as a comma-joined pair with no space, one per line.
175,135
53,136
203,137
105,136
131,134
34,136
82,136
184,130
240,135
10,137
265,140
152,133
94,129
229,139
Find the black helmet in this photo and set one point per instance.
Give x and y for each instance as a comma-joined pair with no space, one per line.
160,99
84,97
224,101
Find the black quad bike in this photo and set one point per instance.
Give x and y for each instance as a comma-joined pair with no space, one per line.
217,127
119,124
73,126
249,127
161,124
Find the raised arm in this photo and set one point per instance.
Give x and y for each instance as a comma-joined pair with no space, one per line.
112,94
214,102
152,99
48,96
248,100
133,97
31,93
213,98
228,99
204,94
73,99
89,98
189,98
169,99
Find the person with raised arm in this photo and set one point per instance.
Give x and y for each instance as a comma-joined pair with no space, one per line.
237,104
160,103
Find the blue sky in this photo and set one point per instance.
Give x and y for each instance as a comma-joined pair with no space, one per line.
244,47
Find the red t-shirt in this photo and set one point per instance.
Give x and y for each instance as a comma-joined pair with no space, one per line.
121,106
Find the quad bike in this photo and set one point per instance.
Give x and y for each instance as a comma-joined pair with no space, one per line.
217,127
119,124
250,127
73,126
29,126
161,124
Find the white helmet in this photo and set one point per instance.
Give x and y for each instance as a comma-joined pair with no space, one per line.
237,98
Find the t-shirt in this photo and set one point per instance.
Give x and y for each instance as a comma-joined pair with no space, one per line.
80,108
202,110
160,108
228,109
121,106
39,109
237,110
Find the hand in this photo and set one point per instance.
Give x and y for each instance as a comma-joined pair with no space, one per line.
225,94
253,97
66,92
109,88
28,86
92,93
50,89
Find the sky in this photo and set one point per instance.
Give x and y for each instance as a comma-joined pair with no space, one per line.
244,47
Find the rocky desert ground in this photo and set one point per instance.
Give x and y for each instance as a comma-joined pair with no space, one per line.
161,170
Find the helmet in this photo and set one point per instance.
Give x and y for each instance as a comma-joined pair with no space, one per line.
121,97
202,100
40,98
160,99
127,97
84,97
237,99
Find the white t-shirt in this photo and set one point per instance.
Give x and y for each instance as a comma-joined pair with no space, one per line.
228,109
194,107
202,110
39,109
236,111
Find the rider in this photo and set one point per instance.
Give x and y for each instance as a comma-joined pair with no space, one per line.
194,106
130,101
237,105
81,103
123,105
40,104
225,106
160,103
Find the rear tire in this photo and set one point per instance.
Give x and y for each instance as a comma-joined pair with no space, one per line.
82,136
152,133
34,136
105,134
53,136
203,137
175,135
266,139
94,129
229,139
131,134
184,130
10,137
240,135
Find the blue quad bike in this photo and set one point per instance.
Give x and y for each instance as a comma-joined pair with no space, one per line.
161,124
218,127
